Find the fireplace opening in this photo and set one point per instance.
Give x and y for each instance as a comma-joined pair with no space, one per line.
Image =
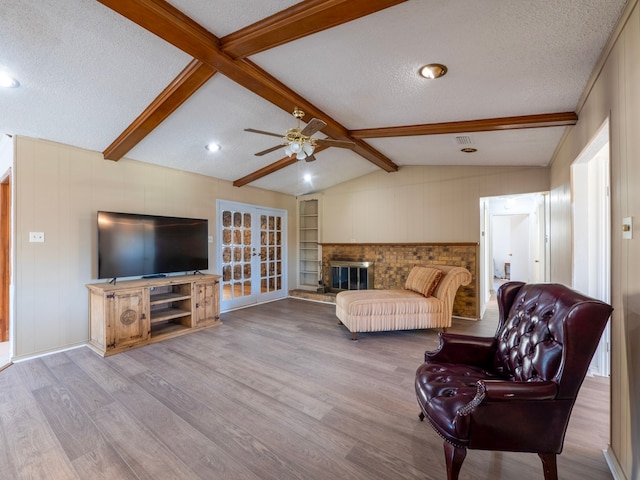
350,275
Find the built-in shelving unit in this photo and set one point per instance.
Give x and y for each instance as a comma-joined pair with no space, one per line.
138,312
308,238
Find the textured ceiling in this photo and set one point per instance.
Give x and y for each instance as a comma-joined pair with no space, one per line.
87,72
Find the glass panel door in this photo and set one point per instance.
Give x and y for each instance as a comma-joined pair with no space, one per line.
271,260
236,254
252,254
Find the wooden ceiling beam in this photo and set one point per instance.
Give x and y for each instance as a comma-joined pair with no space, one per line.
257,80
504,123
165,21
179,90
264,171
466,126
300,20
272,168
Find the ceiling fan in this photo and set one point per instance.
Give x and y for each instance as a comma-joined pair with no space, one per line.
299,142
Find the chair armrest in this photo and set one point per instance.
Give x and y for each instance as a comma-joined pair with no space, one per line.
509,391
464,349
453,278
497,390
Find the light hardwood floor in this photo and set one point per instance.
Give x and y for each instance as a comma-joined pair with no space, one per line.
276,392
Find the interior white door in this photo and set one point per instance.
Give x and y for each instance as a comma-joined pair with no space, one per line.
538,240
520,247
251,253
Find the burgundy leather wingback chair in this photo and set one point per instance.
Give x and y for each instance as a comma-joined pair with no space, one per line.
514,391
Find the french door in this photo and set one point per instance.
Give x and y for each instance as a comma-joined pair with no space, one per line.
252,253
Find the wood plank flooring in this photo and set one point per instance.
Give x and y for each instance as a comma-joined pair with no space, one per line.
276,392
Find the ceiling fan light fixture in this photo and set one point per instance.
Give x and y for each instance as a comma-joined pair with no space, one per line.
433,71
308,148
298,141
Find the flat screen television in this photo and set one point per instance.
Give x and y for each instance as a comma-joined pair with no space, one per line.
145,245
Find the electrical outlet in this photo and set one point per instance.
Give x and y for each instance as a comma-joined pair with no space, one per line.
36,237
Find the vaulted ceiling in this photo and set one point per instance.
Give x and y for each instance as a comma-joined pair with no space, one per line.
156,81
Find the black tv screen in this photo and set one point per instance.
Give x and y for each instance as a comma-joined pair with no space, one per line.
133,244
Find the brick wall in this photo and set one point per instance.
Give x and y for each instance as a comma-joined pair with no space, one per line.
393,261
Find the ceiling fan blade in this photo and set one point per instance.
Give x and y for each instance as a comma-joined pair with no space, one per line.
253,130
330,142
269,150
312,127
310,158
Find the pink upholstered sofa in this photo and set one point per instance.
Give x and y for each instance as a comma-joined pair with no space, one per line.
425,302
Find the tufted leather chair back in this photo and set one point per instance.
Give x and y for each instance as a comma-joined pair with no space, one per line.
537,322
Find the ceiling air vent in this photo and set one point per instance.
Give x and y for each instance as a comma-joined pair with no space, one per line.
464,140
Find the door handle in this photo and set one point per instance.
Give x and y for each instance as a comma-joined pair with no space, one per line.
256,254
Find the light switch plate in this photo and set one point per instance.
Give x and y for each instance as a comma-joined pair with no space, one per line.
627,228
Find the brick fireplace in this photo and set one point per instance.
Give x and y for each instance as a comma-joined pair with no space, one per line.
393,262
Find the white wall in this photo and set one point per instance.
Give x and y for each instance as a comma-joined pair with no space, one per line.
58,190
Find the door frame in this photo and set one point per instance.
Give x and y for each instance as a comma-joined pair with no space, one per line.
5,254
591,231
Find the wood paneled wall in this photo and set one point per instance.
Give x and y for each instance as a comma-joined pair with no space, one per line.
58,190
615,94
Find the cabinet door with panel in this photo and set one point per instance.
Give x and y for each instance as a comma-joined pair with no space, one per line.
127,318
207,303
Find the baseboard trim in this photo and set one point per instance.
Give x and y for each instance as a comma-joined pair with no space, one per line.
614,465
22,358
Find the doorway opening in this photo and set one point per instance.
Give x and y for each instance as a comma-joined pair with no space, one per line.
513,241
590,189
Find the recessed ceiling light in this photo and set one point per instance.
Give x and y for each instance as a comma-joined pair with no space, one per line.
307,178
433,70
8,82
212,147
469,150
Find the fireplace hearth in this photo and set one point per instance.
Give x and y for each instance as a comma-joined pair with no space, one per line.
347,275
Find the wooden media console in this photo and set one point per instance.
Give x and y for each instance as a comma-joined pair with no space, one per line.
133,313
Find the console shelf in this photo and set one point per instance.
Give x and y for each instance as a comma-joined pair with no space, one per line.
155,299
164,314
168,329
133,313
